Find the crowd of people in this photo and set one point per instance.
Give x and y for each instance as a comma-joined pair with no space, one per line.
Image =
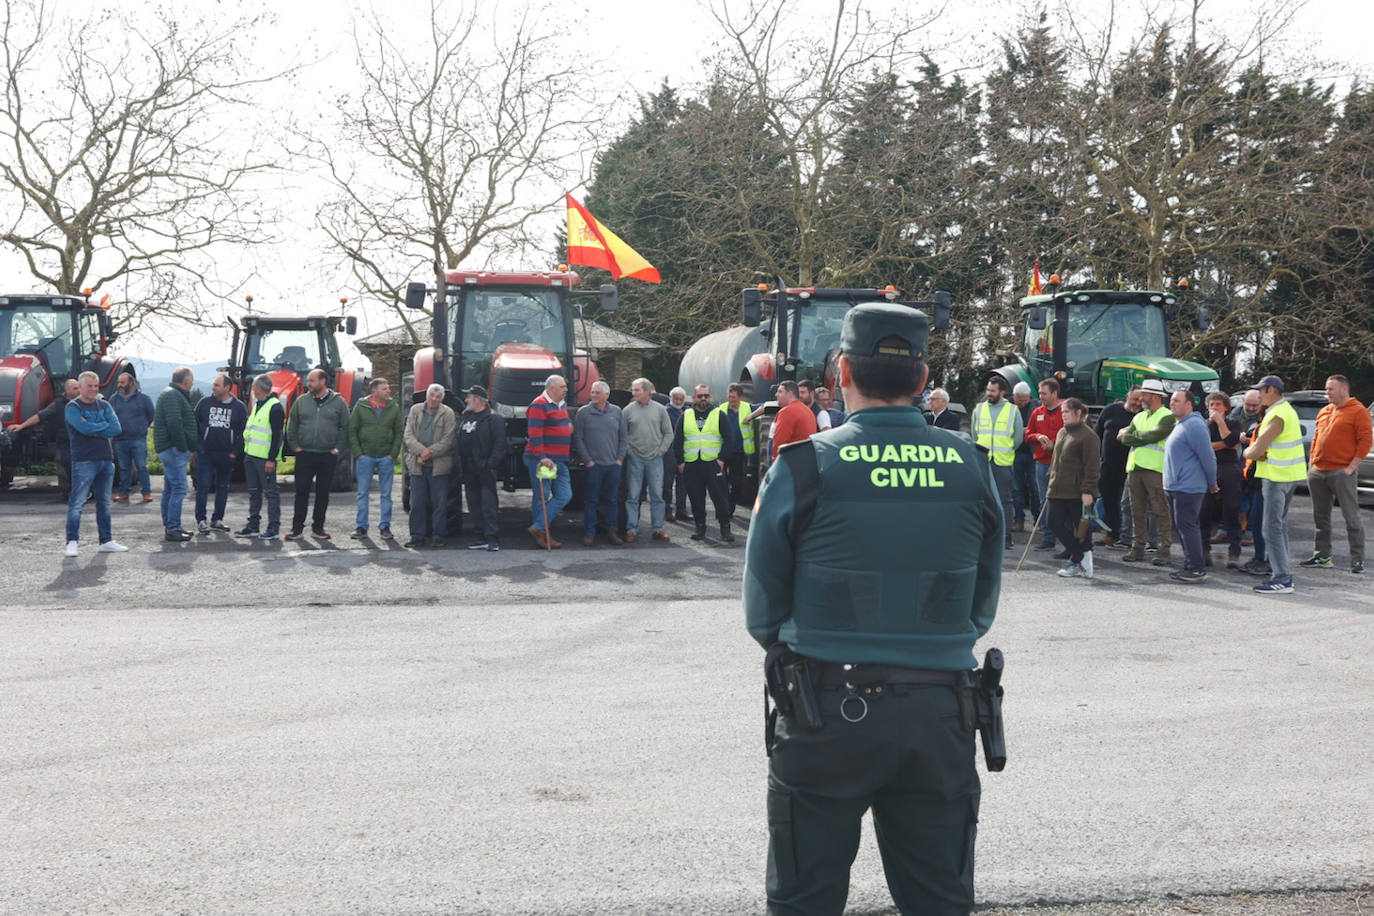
1153,467
1150,472
668,452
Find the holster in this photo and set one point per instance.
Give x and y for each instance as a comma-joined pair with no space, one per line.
981,700
789,684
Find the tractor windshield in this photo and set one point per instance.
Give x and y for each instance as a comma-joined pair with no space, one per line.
298,349
821,322
490,317
44,329
1098,330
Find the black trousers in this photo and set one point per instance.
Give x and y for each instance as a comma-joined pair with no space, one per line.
734,476
1223,509
1064,517
911,760
313,469
1112,484
704,477
479,488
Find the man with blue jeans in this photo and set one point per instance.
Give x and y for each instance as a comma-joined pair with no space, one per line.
135,412
649,430
220,419
91,424
548,445
1280,465
376,430
1190,471
602,443
174,436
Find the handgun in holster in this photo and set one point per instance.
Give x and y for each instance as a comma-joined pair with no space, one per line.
789,684
987,692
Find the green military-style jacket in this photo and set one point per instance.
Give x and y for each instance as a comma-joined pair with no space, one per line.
900,560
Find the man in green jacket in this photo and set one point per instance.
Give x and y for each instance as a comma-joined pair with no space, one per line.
175,435
317,430
874,563
375,431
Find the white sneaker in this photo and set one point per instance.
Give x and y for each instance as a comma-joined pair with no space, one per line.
1070,570
112,546
73,549
1086,565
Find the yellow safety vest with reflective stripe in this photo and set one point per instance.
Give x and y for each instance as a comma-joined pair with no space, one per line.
257,435
1284,461
997,436
1148,457
746,429
702,441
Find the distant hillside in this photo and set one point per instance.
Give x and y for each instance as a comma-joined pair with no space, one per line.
154,375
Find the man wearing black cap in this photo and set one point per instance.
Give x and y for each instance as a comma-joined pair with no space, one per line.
481,452
873,565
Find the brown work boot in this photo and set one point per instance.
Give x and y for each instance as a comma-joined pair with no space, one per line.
1162,558
588,540
614,538
147,497
631,537
122,498
1134,556
661,537
538,537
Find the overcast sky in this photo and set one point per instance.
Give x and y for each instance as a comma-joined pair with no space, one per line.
646,43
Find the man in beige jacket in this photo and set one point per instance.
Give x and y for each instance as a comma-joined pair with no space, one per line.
429,460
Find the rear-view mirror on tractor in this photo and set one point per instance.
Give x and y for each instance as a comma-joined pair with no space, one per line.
415,295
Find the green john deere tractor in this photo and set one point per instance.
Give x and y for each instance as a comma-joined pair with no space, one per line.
1099,343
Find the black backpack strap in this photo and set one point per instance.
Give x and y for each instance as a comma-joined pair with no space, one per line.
806,483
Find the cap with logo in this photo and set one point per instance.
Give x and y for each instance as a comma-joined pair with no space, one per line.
885,329
479,391
1269,381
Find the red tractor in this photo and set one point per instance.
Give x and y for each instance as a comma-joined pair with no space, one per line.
507,331
287,348
45,340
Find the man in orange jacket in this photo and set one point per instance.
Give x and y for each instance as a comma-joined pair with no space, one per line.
1342,439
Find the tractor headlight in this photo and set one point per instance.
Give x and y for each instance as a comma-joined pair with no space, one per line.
1176,384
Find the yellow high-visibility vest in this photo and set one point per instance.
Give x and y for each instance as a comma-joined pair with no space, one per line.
704,441
1284,461
1149,457
997,436
746,429
257,435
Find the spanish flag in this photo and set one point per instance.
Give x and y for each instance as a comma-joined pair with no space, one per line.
591,244
1035,282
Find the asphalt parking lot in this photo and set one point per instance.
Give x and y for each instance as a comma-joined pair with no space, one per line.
352,727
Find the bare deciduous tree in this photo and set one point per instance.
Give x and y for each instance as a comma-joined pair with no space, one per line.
802,83
456,143
115,164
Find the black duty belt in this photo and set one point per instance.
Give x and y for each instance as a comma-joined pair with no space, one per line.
834,675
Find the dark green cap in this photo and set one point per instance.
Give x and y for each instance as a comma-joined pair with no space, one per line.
866,325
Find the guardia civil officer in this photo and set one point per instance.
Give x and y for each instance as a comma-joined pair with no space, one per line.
875,556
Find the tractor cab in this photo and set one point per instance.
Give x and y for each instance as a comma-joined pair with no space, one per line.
801,327
45,340
287,348
1098,344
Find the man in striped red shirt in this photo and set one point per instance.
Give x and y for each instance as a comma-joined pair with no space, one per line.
549,445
